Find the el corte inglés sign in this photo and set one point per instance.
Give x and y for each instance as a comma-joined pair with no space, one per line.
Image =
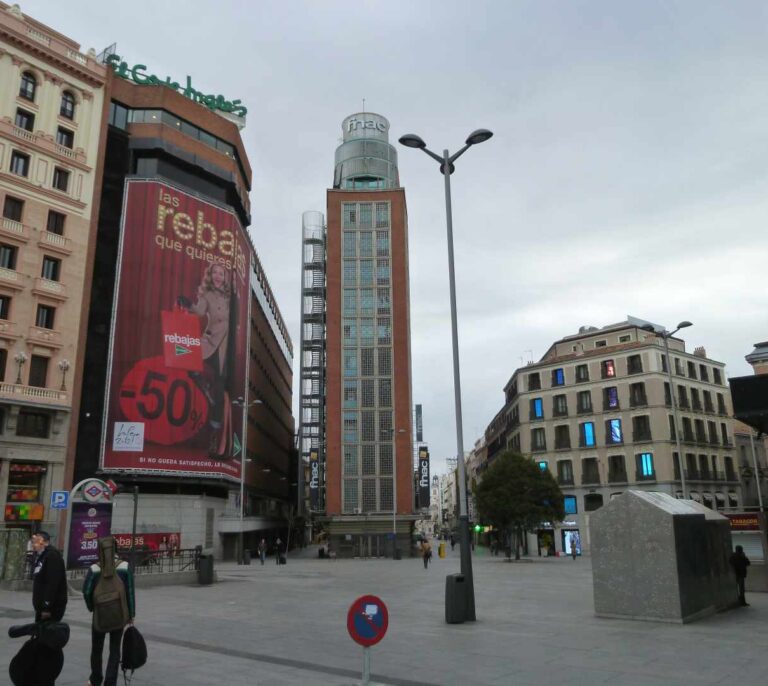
137,73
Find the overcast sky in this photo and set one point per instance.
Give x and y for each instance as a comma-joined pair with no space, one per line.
627,174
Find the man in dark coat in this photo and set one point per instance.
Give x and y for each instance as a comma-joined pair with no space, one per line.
49,580
740,562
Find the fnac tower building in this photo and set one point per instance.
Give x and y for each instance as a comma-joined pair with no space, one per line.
368,434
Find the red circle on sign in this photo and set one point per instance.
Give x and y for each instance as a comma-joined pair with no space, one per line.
367,620
167,401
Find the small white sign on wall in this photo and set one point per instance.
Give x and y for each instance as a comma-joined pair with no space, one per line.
128,436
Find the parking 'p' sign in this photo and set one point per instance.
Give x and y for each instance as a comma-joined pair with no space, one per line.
367,620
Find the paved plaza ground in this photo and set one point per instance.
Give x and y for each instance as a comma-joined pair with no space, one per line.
287,625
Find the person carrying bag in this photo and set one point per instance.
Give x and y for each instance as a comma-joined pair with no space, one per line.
109,594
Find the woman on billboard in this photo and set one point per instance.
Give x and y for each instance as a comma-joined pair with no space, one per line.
214,304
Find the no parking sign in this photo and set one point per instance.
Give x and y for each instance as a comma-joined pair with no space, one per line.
367,622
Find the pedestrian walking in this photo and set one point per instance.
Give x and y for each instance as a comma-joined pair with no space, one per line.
740,562
109,595
49,580
278,546
453,541
426,552
262,550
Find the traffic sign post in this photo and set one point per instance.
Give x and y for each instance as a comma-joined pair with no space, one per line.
367,622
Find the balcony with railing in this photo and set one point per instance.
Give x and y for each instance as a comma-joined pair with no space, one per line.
44,143
640,476
55,242
565,479
11,278
641,436
19,392
14,230
590,479
47,337
617,476
52,289
8,329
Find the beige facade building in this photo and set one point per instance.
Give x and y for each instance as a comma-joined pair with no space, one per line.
51,110
596,411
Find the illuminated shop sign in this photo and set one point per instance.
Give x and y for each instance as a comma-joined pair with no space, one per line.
137,73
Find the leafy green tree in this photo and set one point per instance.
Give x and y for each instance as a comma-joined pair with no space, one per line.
515,494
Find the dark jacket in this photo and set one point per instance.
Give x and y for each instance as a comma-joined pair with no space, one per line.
49,585
740,562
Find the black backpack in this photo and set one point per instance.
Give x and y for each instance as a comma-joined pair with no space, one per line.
134,650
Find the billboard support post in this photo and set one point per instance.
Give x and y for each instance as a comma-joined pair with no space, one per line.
133,528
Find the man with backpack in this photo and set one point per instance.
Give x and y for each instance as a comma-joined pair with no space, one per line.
109,595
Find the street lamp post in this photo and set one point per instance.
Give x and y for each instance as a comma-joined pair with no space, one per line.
666,335
243,461
63,368
447,168
20,358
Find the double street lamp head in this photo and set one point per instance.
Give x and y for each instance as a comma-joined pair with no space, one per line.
411,140
479,136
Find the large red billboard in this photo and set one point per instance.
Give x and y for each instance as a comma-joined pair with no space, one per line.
179,344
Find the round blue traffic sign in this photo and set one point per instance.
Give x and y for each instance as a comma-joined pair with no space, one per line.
367,620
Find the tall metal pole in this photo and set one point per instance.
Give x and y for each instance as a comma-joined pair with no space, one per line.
394,494
757,470
243,463
133,528
665,335
464,541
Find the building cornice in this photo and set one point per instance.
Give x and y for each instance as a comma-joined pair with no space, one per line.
52,50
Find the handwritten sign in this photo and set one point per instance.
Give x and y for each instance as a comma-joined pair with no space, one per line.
128,436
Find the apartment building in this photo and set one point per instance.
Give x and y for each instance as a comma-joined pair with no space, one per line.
596,411
51,107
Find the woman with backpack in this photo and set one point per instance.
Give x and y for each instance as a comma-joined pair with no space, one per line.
109,595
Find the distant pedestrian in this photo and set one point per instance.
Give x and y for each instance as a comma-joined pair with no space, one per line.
278,547
740,562
262,550
426,552
49,580
110,607
453,541
492,546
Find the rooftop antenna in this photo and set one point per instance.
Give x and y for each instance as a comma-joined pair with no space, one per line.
363,105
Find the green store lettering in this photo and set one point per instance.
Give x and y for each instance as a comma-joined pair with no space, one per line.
137,74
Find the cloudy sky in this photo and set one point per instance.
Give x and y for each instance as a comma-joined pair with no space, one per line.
627,174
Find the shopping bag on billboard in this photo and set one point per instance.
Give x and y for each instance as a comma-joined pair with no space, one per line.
182,347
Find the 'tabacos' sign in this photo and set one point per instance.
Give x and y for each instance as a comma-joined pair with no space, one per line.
138,75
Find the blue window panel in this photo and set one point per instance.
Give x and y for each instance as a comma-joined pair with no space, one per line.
570,504
613,397
538,408
616,436
646,464
589,433
559,377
